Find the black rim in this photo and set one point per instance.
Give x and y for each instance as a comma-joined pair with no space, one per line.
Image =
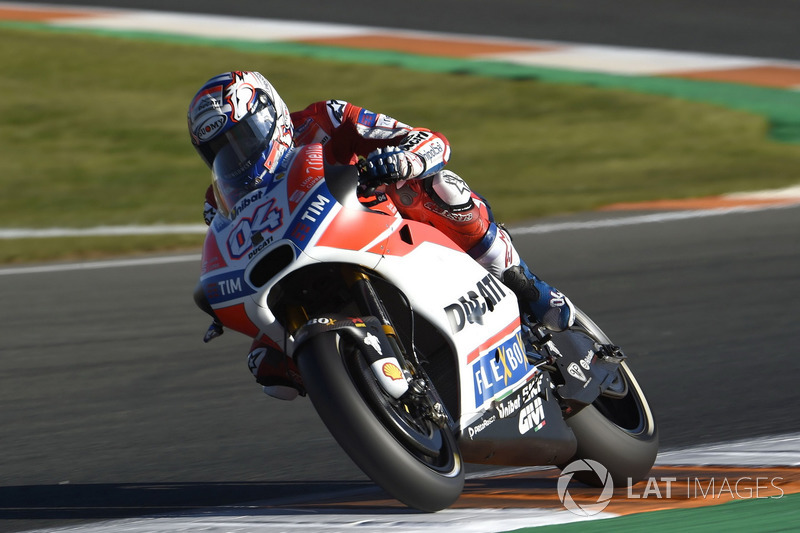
627,413
421,437
623,406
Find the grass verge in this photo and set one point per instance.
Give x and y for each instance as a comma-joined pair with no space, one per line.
95,133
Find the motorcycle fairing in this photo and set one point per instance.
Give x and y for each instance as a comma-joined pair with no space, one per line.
321,220
479,315
524,424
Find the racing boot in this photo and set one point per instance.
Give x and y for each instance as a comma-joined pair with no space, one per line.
547,305
214,330
275,372
497,254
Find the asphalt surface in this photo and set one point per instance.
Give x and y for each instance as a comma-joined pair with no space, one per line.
112,406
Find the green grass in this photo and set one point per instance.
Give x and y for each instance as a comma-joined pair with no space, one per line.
94,132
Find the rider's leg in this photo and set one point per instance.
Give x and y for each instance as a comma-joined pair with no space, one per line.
445,201
273,370
200,298
548,305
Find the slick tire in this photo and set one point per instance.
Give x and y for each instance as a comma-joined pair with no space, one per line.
620,434
335,385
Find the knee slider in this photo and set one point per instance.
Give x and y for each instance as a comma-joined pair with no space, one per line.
449,191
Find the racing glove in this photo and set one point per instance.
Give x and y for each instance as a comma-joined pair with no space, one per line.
209,212
392,164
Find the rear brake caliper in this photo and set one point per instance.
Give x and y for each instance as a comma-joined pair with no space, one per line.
609,352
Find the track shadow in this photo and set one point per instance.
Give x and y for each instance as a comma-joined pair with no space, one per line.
29,507
41,506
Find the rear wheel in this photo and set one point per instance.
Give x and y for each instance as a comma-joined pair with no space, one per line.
618,431
394,442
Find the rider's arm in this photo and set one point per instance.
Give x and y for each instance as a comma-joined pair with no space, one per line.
349,131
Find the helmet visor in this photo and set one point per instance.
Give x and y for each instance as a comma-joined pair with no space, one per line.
235,155
247,135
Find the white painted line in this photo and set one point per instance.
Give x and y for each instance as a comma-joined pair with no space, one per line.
790,194
525,230
639,219
781,450
320,520
102,231
262,517
213,26
626,61
94,265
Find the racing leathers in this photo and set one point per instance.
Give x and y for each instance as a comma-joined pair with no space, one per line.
409,162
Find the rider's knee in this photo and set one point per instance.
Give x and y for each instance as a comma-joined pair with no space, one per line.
450,191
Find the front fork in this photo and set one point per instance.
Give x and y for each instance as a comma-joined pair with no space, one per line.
396,368
370,304
421,392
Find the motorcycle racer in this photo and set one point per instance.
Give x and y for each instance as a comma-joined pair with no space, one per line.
246,134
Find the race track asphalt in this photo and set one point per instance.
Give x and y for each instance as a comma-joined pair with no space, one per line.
112,405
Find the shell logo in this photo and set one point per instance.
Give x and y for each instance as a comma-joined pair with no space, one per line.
391,370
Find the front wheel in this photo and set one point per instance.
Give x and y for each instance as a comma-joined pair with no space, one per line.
409,456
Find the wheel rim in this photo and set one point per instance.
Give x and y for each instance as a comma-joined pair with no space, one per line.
421,437
630,413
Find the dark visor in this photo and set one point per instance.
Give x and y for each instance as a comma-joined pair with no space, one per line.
248,137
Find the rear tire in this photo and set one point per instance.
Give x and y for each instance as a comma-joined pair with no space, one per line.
375,430
619,433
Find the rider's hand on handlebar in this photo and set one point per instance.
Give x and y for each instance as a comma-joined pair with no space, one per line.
209,212
388,165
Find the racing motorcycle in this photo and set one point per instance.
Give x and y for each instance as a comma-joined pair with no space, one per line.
415,357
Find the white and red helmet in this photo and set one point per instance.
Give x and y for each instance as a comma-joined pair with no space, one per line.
242,129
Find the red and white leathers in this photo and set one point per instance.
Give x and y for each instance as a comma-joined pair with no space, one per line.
430,194
434,196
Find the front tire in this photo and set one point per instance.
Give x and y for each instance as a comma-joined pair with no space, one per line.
375,430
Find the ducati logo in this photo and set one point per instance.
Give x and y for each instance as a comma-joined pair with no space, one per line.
470,308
